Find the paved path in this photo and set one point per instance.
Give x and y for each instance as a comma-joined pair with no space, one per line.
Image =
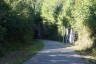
55,53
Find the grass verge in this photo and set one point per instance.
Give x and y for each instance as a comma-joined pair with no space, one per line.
89,56
21,53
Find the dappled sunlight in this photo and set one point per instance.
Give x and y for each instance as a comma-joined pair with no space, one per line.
57,61
72,22
67,55
56,50
65,61
56,53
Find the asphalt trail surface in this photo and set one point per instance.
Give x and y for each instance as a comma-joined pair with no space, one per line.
55,53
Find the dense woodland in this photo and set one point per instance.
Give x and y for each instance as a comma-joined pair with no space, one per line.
25,20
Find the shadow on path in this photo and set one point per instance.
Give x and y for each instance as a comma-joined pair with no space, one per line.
55,53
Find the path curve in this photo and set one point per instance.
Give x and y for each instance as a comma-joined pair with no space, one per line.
55,53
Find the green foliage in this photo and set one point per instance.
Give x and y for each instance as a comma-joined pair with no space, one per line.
51,31
24,20
16,23
71,13
47,10
21,52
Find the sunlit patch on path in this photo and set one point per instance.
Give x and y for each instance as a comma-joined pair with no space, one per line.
55,53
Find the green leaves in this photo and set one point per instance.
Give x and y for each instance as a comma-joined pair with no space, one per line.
24,17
